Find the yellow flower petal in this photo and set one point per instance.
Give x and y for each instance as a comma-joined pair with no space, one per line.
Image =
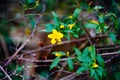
71,25
50,36
53,41
54,31
59,41
70,16
59,35
95,65
62,26
58,54
94,21
67,53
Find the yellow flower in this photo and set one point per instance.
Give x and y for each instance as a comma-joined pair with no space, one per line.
70,17
62,26
94,21
27,31
58,54
71,25
95,65
55,37
67,53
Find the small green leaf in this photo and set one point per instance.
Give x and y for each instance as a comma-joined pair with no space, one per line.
56,19
92,72
85,52
112,36
101,19
76,13
105,28
77,51
90,25
110,14
76,35
32,22
83,59
31,1
92,52
19,69
67,36
57,22
96,77
117,75
98,7
100,60
55,62
54,15
70,63
81,69
100,72
60,52
49,27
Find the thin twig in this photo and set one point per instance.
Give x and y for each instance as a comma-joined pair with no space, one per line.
22,46
69,77
108,47
62,68
58,71
5,73
63,43
44,61
29,38
87,34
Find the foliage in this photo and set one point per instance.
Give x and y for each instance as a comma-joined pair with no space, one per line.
88,60
67,28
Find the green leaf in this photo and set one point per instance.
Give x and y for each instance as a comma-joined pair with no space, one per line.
98,7
30,1
100,60
96,77
67,36
92,72
70,63
110,14
76,35
57,22
105,28
117,75
60,52
76,13
101,72
55,62
85,52
101,19
49,27
32,22
90,25
92,52
19,69
81,69
77,51
54,15
112,36
83,59
56,19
